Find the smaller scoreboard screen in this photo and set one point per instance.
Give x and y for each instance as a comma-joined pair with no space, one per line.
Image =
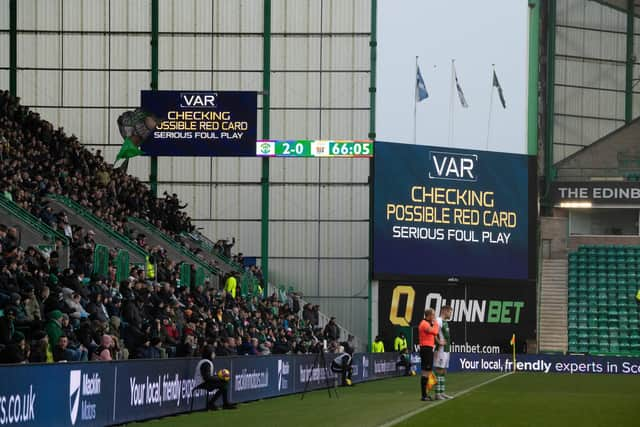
200,123
311,148
450,213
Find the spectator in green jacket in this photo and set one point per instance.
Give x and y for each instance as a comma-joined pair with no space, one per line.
54,328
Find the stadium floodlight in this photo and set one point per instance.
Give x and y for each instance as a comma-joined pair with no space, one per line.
579,205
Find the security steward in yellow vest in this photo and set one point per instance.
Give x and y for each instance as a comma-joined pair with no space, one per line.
150,268
231,285
378,345
400,343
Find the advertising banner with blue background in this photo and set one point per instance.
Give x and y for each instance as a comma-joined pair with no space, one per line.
544,363
192,123
444,212
112,393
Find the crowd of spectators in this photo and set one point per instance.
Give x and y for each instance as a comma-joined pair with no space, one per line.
51,312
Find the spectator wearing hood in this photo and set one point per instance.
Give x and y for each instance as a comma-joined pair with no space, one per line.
31,305
54,327
15,351
40,349
75,309
7,326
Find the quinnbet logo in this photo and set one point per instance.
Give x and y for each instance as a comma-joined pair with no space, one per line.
471,310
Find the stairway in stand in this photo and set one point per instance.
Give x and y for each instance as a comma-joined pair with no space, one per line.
553,305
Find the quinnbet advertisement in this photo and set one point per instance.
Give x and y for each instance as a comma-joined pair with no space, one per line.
442,212
484,317
199,123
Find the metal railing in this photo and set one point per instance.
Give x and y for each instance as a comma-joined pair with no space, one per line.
99,224
48,234
174,245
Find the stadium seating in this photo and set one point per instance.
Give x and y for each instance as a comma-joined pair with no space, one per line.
86,250
603,315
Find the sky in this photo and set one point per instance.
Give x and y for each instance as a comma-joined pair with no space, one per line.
476,34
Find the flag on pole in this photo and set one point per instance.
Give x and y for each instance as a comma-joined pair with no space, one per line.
496,83
421,88
431,381
463,100
128,150
513,340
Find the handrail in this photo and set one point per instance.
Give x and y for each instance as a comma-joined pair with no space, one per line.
33,221
200,243
98,223
159,233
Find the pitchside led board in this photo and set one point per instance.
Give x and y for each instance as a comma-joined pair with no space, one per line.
199,123
454,215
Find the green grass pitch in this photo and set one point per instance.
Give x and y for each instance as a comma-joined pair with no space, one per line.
514,400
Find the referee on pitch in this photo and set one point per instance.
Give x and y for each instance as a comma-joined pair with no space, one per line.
427,332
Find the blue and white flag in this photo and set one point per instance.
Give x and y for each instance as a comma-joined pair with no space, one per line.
463,100
496,84
421,88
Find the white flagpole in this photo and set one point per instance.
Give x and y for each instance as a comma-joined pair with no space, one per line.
415,100
451,108
493,67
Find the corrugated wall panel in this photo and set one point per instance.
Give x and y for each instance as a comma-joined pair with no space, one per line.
341,16
340,202
295,53
344,239
130,52
294,170
4,59
130,15
43,15
302,274
590,74
301,16
4,18
39,51
293,239
186,15
294,202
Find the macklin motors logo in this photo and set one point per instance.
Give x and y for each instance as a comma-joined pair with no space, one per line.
283,375
82,386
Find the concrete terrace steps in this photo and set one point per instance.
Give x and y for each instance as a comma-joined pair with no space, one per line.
553,305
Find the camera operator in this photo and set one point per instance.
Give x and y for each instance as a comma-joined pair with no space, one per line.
341,364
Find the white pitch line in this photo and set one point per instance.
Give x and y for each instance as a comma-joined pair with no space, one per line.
439,402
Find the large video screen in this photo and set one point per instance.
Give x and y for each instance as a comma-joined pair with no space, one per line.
200,123
452,214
